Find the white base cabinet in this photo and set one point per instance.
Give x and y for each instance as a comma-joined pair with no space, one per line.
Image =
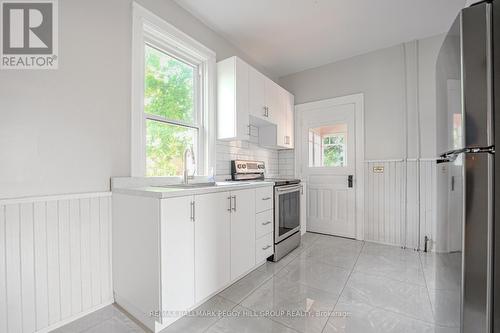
170,255
177,246
212,259
242,232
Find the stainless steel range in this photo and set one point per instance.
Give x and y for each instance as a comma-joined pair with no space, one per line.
286,204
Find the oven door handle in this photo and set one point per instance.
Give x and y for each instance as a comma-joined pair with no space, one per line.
287,189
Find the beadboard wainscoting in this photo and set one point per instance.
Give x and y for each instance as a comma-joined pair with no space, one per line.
393,205
55,260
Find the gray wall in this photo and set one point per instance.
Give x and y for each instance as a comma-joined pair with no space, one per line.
384,77
68,130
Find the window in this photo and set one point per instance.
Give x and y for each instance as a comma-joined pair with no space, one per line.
334,150
173,100
170,113
327,146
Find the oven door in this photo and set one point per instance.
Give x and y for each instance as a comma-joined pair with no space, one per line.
286,211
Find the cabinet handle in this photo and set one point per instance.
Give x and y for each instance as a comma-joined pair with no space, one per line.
266,247
234,206
192,211
230,204
266,223
301,189
266,198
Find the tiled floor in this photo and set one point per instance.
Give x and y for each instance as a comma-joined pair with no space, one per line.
344,285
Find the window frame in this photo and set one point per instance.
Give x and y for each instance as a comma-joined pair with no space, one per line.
154,31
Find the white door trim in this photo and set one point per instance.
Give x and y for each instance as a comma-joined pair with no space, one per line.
358,101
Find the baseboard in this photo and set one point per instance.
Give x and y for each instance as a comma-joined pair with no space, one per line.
75,317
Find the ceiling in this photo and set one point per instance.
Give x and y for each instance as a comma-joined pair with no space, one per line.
288,36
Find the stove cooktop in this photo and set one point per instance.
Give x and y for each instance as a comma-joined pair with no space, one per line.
283,181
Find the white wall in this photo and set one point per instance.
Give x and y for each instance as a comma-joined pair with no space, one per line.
399,88
68,130
381,77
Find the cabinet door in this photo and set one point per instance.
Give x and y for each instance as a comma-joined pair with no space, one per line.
282,120
232,100
273,101
177,254
289,109
212,243
242,232
257,93
241,102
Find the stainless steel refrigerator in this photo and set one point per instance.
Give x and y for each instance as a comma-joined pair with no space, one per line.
468,104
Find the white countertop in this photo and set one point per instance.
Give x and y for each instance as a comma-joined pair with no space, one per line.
164,191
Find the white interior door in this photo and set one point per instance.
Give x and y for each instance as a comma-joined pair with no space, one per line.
328,157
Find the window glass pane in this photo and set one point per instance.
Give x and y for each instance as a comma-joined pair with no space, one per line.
168,87
165,146
330,145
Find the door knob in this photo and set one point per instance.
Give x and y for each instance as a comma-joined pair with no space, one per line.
349,181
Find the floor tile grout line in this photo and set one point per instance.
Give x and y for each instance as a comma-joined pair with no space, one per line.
427,288
392,279
222,317
406,315
273,320
343,288
399,313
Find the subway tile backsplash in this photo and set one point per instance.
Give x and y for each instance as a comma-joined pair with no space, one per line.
286,163
242,150
279,163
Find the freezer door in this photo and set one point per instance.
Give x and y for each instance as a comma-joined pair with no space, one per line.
476,281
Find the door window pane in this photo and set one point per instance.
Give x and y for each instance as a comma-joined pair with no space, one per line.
328,146
165,146
169,87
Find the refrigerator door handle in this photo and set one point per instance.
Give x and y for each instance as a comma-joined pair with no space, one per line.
452,155
473,150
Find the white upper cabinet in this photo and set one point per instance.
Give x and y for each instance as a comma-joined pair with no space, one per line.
274,108
246,98
232,100
288,107
280,136
257,94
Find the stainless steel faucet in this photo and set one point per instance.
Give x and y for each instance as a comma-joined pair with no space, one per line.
189,151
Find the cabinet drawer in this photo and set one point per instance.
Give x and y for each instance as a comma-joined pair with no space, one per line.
263,223
264,247
263,199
